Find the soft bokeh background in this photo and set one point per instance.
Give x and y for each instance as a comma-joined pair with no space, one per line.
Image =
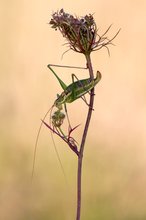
114,171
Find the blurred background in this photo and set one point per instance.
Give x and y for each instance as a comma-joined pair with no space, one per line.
114,170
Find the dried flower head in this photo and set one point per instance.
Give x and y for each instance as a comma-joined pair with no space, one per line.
80,32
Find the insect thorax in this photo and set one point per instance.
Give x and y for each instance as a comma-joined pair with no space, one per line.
61,99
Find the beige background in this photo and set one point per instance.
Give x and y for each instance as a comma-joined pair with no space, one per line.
114,176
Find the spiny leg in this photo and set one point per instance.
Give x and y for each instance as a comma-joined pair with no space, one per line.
62,84
65,107
84,99
65,66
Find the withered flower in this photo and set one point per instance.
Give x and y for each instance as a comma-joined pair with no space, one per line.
80,32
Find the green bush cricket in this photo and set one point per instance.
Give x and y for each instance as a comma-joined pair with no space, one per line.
77,89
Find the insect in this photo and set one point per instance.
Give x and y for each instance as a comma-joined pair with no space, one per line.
77,89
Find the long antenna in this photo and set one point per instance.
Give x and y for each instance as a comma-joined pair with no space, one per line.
36,144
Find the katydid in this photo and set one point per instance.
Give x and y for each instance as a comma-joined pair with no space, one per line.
77,89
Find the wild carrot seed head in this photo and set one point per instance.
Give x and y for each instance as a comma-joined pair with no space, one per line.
80,32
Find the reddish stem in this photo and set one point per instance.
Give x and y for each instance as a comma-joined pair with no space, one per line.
80,155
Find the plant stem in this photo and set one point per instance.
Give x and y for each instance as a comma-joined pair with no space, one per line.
80,155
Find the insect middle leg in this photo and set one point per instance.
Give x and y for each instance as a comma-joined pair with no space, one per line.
65,107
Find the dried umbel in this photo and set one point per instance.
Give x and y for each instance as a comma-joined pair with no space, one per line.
80,32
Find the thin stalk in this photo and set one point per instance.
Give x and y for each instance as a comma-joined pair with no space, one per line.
80,155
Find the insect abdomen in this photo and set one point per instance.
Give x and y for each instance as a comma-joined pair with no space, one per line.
80,88
77,89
